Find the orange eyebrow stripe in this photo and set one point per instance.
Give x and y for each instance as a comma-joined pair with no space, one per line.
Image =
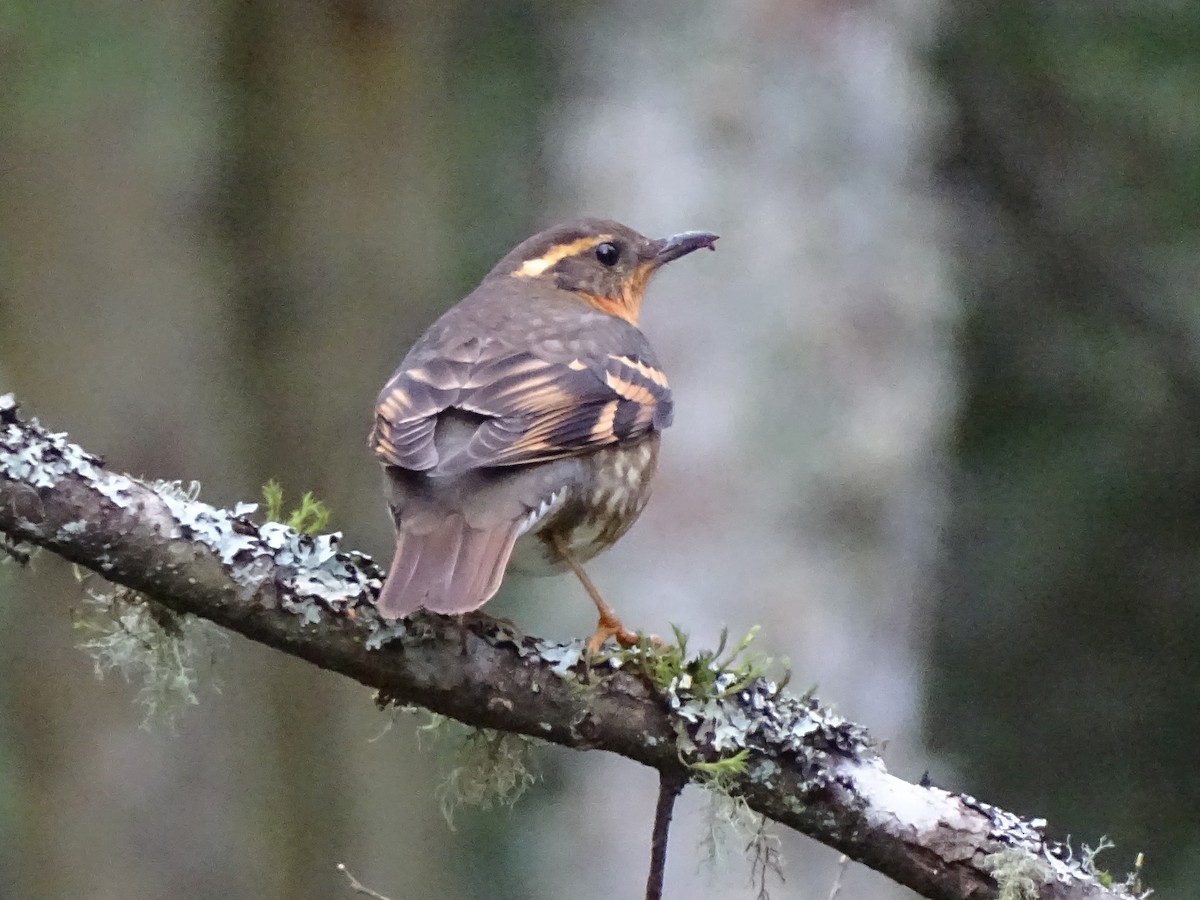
531,268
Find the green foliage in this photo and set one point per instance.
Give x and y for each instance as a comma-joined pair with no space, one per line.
719,775
272,494
310,517
659,664
710,673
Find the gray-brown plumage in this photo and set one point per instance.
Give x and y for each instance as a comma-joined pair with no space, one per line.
523,427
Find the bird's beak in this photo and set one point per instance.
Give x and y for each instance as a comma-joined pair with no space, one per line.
667,249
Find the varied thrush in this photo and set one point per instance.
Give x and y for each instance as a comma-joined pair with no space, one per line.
522,429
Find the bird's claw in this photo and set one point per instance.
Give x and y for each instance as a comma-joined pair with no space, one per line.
623,636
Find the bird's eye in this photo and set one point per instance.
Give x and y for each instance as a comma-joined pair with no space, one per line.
608,254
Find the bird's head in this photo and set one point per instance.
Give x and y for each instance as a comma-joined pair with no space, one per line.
605,263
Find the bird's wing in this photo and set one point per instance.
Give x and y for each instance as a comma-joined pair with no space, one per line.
527,409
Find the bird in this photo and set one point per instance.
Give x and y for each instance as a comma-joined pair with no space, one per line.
521,430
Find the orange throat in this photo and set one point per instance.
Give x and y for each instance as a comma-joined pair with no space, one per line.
621,307
628,305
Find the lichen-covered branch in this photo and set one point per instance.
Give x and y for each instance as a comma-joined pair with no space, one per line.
785,757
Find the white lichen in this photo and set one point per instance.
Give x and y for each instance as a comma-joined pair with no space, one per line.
727,817
383,632
563,657
1132,886
162,652
728,820
892,801
1088,854
1018,875
493,769
306,572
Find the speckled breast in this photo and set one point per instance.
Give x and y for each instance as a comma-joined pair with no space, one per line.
593,513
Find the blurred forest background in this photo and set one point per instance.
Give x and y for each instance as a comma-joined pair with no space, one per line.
937,400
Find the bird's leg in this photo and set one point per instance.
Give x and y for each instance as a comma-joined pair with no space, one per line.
609,625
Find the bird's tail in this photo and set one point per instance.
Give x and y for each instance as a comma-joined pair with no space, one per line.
449,568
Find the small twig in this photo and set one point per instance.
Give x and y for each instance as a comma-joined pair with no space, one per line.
358,886
843,861
670,784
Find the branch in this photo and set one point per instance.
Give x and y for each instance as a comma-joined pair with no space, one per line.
357,886
670,785
796,762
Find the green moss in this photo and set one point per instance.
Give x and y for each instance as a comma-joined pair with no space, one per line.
310,517
661,664
720,774
708,674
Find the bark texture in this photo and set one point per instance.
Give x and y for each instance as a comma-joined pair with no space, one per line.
805,767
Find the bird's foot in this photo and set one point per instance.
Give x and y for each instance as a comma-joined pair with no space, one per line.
611,627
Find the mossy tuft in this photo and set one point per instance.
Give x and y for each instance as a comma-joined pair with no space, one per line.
310,517
710,674
720,774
